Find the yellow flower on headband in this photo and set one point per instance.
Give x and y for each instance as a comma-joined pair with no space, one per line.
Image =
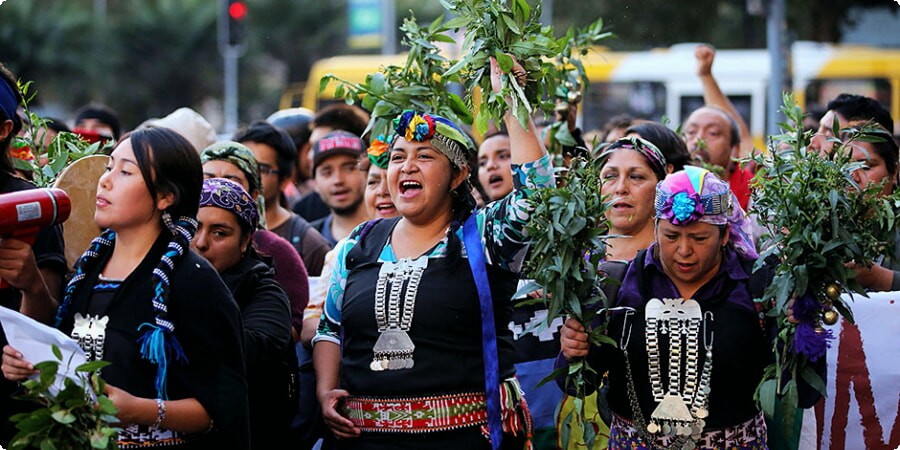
417,129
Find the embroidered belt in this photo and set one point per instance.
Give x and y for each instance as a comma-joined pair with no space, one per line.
416,414
747,435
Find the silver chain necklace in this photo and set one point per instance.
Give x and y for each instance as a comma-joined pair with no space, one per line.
394,349
680,413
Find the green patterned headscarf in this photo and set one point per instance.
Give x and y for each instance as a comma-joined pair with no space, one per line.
241,156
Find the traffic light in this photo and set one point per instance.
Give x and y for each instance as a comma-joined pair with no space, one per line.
237,15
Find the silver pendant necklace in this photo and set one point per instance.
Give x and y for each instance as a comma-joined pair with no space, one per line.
394,349
681,411
90,333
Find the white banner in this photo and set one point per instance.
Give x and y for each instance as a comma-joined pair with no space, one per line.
861,409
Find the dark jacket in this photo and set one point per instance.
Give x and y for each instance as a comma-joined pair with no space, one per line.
271,361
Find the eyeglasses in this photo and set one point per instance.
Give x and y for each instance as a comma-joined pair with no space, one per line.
266,169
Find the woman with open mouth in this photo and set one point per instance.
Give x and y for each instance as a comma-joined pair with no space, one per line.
409,353
494,171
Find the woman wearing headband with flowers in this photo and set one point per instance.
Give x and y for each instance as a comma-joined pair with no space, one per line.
227,219
412,351
157,312
691,347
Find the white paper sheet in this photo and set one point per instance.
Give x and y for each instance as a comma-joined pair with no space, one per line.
34,340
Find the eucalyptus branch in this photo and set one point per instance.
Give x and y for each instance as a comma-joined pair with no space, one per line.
819,220
421,83
568,227
511,31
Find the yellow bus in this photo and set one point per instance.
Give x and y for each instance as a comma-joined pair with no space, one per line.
663,82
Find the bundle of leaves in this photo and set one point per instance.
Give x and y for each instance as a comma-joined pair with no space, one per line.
511,31
818,220
77,417
62,150
420,84
568,230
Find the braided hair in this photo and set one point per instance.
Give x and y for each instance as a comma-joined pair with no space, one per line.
169,165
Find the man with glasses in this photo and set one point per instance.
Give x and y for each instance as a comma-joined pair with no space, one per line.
275,152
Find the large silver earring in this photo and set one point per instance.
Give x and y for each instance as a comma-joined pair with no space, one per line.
167,220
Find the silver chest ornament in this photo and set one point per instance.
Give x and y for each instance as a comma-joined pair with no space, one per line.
90,333
394,349
682,405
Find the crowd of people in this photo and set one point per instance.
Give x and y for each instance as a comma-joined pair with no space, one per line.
303,285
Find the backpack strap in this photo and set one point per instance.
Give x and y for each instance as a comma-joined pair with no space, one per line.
298,231
614,271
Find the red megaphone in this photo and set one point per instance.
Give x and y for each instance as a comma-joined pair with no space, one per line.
24,213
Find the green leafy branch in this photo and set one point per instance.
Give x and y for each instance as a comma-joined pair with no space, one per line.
818,219
568,227
75,418
512,32
419,84
51,158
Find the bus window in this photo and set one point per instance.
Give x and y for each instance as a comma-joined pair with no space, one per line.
690,103
820,91
643,99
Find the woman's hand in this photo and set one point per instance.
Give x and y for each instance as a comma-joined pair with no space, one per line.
14,367
573,339
129,406
342,427
517,71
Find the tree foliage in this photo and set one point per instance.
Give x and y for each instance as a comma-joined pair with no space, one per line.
149,57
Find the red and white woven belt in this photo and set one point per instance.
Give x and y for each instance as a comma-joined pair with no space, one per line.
416,414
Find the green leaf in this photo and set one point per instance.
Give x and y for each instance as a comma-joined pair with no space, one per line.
47,444
813,379
482,119
63,416
56,352
511,23
92,366
99,440
767,397
505,61
456,23
323,83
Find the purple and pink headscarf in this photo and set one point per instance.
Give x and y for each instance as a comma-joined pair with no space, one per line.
697,195
230,196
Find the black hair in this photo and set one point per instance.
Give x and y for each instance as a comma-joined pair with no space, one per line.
667,141
102,113
169,165
500,132
56,125
887,149
341,116
263,132
617,121
856,107
10,79
295,122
